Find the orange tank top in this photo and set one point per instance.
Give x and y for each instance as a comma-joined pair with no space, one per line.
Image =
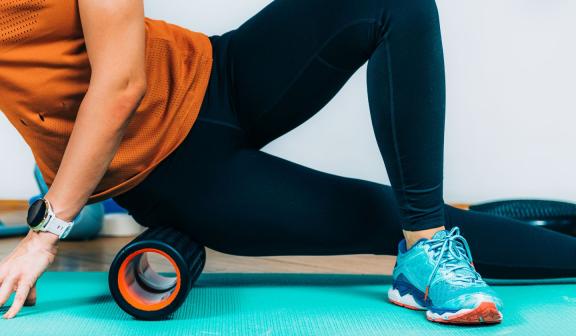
45,73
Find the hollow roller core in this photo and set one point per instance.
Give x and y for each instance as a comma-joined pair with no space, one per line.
146,293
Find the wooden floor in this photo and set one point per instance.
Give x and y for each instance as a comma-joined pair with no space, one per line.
96,255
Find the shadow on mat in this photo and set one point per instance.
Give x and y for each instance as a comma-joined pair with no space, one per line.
290,280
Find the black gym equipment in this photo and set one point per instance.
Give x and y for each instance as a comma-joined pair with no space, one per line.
145,293
554,215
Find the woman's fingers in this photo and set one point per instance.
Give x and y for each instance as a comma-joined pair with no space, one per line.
25,294
31,299
3,273
6,290
21,295
19,273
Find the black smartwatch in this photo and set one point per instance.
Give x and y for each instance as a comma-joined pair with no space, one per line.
41,218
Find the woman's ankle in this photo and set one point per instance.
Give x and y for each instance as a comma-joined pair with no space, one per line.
412,237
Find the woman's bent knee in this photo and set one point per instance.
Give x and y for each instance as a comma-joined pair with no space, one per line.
413,16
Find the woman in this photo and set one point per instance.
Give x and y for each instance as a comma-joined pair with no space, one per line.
170,123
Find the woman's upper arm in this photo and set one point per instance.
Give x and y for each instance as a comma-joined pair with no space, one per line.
114,32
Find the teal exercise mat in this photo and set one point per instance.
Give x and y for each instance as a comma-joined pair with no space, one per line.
279,304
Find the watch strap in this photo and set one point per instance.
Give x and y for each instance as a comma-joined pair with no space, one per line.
57,226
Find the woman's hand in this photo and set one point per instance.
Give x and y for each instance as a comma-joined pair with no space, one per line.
20,270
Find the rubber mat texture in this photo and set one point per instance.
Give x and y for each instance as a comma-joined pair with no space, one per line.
279,304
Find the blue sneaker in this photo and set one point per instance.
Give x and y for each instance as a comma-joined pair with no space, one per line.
438,275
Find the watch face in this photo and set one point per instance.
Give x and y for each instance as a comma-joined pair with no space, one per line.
36,213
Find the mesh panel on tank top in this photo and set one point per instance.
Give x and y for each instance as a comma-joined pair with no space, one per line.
45,74
18,20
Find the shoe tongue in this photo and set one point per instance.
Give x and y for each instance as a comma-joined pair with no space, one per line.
462,271
440,235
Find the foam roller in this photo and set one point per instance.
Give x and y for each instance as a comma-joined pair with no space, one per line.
144,293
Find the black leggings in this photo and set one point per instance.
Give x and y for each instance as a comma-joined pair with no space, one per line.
275,72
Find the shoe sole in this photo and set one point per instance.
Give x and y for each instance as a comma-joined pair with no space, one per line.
484,313
406,301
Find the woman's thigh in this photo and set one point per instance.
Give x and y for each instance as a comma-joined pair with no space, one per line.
243,201
253,203
294,56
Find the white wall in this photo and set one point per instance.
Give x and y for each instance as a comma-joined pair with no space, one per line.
511,125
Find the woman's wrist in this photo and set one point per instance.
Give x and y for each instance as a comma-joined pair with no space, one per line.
45,238
45,241
48,238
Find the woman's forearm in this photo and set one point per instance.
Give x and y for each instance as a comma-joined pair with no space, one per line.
99,128
118,80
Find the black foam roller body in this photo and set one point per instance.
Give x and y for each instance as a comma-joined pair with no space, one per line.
144,293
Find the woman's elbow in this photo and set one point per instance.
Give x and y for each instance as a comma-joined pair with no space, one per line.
121,102
131,95
136,89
